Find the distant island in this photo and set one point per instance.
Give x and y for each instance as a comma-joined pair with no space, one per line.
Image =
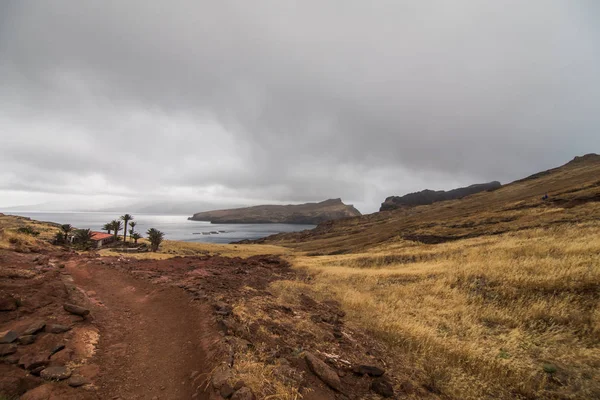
308,213
426,197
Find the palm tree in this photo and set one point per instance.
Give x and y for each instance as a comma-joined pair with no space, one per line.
156,237
107,227
66,228
83,236
126,218
132,224
135,236
116,225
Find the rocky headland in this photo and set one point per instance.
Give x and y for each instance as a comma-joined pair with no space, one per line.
308,213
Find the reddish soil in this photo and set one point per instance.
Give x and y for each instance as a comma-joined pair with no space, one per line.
159,328
141,341
151,338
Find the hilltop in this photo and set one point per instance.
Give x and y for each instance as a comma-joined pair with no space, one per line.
309,213
427,196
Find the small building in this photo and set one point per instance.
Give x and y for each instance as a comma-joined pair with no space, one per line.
100,239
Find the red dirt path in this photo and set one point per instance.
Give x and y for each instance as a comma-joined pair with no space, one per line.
151,337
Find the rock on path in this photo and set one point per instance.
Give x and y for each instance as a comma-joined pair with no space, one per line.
323,371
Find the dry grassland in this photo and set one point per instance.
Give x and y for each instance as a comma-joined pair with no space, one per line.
172,248
506,316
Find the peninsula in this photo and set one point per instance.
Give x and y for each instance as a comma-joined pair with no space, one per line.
308,213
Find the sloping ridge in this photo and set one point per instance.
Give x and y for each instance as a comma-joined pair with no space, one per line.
308,213
425,197
573,197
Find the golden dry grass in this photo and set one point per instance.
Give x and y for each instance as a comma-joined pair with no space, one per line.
481,318
11,238
172,248
266,380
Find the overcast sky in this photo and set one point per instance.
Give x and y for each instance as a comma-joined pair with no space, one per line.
247,102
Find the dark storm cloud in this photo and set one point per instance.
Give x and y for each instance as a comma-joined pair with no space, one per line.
292,101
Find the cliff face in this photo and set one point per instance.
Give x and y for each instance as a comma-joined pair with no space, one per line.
309,213
427,196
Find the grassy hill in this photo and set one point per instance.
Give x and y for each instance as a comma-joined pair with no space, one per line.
496,295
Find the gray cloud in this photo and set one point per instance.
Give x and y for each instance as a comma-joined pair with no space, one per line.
291,101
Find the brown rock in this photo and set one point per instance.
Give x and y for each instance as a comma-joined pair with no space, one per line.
27,339
57,373
10,359
34,328
75,309
368,370
32,361
222,308
382,387
238,385
8,336
220,377
243,394
323,371
7,348
56,328
39,393
36,371
7,302
226,391
77,380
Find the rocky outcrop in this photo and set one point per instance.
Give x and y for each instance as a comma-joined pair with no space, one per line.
427,196
309,213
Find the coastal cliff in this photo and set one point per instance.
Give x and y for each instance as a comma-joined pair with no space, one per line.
309,213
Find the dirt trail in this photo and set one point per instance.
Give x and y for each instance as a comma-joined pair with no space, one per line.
151,337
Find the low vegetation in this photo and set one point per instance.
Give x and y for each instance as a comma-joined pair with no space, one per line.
172,248
506,316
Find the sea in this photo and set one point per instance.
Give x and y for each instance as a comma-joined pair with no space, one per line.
175,227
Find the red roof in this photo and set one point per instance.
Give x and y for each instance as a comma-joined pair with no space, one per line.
100,235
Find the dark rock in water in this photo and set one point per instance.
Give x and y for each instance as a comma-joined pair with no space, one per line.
226,391
382,387
27,339
8,336
57,373
77,310
323,371
56,328
368,370
8,348
34,328
7,302
77,380
427,196
243,394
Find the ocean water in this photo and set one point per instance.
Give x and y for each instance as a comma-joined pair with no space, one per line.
175,227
